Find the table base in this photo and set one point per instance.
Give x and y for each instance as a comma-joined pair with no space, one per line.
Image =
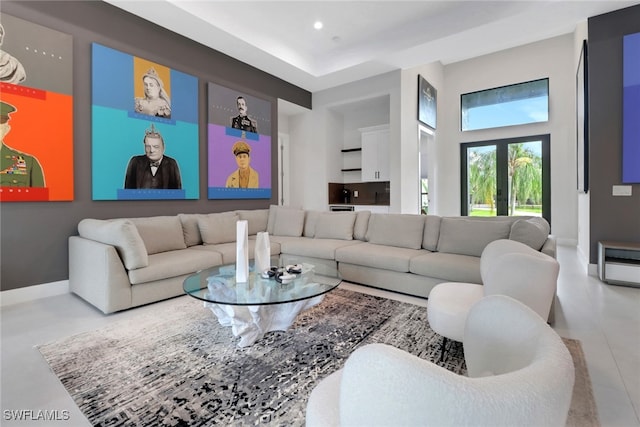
251,322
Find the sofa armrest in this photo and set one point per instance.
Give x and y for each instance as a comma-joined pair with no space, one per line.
97,274
549,247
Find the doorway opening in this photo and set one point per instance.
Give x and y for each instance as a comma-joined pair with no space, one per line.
506,177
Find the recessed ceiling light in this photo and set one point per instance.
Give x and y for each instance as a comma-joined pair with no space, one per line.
318,25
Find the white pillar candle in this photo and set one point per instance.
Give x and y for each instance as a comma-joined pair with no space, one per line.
242,251
262,253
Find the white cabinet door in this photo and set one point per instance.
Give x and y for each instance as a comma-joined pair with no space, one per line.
375,154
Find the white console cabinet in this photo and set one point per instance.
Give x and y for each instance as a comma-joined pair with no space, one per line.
619,263
375,153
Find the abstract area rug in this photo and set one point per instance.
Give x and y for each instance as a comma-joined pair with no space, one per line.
178,367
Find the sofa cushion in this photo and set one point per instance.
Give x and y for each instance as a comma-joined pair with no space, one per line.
431,232
288,222
218,227
273,214
190,229
401,230
448,267
160,233
229,253
378,256
310,221
361,225
533,232
469,237
316,248
257,219
165,265
335,225
120,233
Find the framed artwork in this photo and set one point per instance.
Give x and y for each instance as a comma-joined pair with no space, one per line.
582,121
144,129
36,112
427,103
631,109
239,143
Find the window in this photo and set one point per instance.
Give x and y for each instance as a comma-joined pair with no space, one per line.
506,177
505,106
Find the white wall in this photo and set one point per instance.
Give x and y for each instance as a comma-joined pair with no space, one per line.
552,58
315,142
581,34
410,137
328,128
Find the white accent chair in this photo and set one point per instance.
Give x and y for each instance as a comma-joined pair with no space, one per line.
520,373
507,267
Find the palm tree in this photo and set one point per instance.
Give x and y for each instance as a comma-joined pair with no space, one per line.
482,178
525,174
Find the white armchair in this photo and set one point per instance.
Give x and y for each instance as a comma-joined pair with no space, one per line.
520,373
507,268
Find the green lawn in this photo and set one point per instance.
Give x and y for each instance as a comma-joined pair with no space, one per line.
532,211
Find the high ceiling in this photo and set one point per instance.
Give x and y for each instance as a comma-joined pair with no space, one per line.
363,38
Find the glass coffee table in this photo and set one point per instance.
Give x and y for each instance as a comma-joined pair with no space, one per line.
261,304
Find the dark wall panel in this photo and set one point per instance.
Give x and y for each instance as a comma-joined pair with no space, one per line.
611,217
34,235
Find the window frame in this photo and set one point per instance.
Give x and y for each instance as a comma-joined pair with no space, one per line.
502,187
496,89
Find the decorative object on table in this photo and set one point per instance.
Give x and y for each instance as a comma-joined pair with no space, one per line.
262,251
242,251
182,368
427,103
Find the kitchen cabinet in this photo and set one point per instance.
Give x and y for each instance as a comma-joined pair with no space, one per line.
375,153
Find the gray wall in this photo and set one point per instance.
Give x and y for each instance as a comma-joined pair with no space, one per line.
34,235
611,218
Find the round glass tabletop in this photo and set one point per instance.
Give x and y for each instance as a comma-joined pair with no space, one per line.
218,285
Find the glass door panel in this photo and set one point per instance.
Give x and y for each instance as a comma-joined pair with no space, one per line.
481,181
525,178
506,177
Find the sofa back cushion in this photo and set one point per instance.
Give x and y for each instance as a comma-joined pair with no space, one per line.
334,225
533,232
257,219
120,233
361,225
218,228
400,230
469,237
431,232
285,221
160,233
190,229
310,221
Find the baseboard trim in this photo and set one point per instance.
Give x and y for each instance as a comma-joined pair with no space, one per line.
31,293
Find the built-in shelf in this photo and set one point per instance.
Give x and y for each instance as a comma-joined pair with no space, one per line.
351,150
352,170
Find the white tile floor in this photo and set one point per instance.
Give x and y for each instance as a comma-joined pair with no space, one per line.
605,318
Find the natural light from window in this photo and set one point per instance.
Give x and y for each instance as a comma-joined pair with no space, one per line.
506,106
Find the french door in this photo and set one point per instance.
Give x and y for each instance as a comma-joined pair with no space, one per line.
506,177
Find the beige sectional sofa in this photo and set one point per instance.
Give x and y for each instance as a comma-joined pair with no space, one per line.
122,263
